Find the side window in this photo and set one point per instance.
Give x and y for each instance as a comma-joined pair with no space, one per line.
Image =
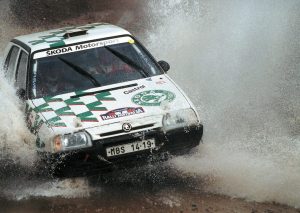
10,63
21,72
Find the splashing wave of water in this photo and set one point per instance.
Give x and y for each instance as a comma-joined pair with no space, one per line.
15,139
240,63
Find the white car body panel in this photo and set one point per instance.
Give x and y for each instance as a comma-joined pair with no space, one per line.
96,125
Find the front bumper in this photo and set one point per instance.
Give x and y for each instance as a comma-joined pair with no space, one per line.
89,161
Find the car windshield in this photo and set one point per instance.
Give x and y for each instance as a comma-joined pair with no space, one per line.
89,65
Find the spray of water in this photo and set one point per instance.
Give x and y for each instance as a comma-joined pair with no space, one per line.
239,62
18,160
18,157
15,139
67,188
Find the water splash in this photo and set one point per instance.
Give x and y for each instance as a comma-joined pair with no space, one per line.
239,62
16,142
67,188
18,157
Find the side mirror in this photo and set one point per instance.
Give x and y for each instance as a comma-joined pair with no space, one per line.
164,65
21,93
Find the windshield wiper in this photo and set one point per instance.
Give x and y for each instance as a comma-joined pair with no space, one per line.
128,61
81,71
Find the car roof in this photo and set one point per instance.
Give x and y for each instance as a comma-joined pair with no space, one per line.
55,38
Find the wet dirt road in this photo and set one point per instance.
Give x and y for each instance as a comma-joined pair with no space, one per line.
150,189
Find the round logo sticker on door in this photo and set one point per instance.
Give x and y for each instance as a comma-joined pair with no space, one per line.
153,97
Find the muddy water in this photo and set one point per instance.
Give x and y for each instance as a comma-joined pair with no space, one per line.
238,62
150,189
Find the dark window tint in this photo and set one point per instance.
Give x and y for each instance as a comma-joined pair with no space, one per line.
10,62
22,71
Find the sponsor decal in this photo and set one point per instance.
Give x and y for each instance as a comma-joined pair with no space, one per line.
33,120
122,112
104,96
95,106
63,49
56,39
43,108
52,122
153,97
65,111
52,99
85,114
55,122
87,117
80,47
126,127
131,41
74,102
34,76
134,89
59,51
160,82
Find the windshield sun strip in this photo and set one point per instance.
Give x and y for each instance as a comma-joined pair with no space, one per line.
82,46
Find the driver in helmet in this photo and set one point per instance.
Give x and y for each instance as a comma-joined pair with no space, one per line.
109,63
53,81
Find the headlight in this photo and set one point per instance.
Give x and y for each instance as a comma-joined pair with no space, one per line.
72,141
180,118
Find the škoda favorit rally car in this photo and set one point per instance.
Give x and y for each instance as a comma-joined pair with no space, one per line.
95,98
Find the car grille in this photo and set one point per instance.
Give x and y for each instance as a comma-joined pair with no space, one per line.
122,131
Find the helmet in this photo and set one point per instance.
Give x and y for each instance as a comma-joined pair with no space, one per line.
53,77
106,58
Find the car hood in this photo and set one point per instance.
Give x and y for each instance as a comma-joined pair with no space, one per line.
110,104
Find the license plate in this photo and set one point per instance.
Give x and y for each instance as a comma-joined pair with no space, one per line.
130,147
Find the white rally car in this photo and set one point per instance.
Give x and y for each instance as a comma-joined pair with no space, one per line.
95,98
